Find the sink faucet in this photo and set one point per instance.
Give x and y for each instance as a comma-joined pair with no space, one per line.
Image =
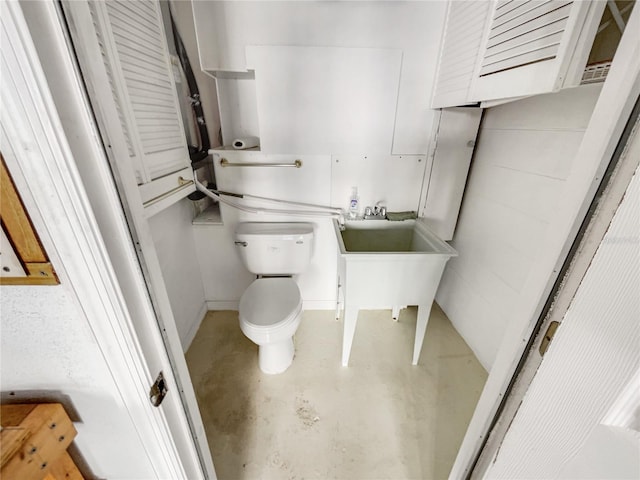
341,221
377,212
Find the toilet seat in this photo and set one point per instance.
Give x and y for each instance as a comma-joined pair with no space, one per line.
270,304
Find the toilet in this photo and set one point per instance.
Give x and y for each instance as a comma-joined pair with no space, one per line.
271,308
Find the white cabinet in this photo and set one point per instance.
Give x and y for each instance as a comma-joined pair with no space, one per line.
463,34
505,49
122,51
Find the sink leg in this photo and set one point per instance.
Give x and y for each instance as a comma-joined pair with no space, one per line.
421,328
350,320
395,313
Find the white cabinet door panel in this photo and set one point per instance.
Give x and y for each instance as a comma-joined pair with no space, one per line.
533,47
455,141
466,23
509,49
124,59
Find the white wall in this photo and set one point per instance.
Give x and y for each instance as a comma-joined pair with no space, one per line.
173,237
322,179
48,351
524,155
346,87
325,99
225,29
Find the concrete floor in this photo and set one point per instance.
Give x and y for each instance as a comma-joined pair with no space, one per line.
379,418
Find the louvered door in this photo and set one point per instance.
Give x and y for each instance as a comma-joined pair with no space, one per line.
124,59
492,51
535,46
464,31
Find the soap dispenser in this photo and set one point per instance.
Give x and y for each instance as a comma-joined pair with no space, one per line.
354,204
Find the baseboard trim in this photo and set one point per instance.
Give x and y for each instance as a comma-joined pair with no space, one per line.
222,304
319,304
191,334
306,305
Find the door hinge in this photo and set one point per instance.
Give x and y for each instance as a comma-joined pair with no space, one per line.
548,336
158,390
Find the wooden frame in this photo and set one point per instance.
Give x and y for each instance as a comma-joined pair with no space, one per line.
26,244
35,439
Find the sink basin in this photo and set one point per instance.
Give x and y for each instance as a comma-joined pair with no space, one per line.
375,236
384,264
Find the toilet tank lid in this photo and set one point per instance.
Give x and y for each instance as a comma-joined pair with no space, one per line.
274,228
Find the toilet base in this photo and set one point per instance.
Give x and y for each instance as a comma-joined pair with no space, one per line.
274,358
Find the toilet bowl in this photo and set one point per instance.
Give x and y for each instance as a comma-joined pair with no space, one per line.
271,308
270,311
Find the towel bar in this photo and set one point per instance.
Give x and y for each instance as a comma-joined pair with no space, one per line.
226,163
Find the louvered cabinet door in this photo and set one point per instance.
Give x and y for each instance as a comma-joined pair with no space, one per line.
464,31
535,46
123,56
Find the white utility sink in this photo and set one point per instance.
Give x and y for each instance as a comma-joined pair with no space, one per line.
384,264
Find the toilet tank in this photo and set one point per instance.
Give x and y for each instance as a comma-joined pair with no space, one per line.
275,248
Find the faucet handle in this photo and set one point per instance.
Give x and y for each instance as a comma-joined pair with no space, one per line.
367,211
380,210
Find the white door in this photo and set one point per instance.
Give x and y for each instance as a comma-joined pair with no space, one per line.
454,141
464,30
124,58
579,416
41,51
